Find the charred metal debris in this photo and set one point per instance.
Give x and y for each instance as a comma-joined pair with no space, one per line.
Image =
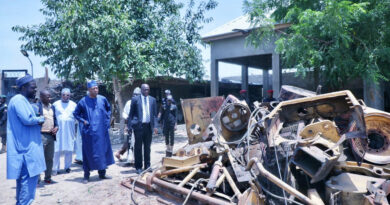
308,149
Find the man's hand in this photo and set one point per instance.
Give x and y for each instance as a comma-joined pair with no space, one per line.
54,131
86,122
155,131
41,120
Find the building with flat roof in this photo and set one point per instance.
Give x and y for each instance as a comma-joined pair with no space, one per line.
227,44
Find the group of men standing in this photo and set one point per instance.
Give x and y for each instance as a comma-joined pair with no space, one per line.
58,131
38,133
142,120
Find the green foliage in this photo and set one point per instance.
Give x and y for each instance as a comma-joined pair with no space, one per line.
117,38
342,39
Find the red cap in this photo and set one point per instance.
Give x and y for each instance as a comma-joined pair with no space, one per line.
242,91
270,91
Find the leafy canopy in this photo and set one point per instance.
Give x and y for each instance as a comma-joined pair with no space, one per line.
342,39
122,38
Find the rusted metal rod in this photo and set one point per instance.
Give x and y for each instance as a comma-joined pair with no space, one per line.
180,170
219,182
197,196
313,195
231,182
169,195
214,175
278,181
189,176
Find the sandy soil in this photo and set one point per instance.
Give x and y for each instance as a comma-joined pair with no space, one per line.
69,188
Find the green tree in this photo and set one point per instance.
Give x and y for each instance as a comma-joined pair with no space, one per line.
340,39
118,40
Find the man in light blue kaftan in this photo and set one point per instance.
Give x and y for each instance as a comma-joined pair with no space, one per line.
25,158
94,112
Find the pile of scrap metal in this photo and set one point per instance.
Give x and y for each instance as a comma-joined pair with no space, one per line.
309,149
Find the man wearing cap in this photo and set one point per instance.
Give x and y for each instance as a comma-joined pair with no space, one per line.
143,120
167,93
269,97
25,158
3,123
129,143
66,134
94,112
163,104
168,118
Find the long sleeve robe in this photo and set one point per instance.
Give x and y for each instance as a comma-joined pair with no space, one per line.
97,152
24,142
66,126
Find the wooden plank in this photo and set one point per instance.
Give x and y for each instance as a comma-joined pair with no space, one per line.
178,162
181,170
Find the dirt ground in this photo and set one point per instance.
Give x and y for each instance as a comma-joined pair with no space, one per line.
69,188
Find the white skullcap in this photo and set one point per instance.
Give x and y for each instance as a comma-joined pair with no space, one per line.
65,90
137,90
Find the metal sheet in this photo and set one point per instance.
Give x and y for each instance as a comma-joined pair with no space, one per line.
198,113
288,92
363,168
327,128
350,187
330,105
315,162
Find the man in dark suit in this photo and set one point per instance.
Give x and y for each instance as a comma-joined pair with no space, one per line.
143,119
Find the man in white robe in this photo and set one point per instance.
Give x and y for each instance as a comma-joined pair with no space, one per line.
66,133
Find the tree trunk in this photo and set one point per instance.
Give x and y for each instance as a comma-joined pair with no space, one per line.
316,76
118,98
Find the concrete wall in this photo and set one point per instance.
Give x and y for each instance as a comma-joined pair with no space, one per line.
237,47
182,89
307,82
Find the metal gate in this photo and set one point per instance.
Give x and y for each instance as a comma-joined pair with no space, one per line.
8,82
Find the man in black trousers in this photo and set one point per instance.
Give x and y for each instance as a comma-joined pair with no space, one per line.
48,131
143,119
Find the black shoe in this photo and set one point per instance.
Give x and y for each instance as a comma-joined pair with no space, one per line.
139,171
67,170
76,161
49,181
168,154
126,164
105,177
85,180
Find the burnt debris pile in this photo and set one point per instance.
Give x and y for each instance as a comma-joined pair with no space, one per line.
308,149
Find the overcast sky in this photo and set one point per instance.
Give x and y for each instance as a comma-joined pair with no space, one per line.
26,12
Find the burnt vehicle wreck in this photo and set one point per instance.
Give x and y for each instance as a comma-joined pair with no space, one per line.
309,149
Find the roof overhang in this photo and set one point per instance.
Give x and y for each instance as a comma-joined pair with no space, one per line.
239,33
